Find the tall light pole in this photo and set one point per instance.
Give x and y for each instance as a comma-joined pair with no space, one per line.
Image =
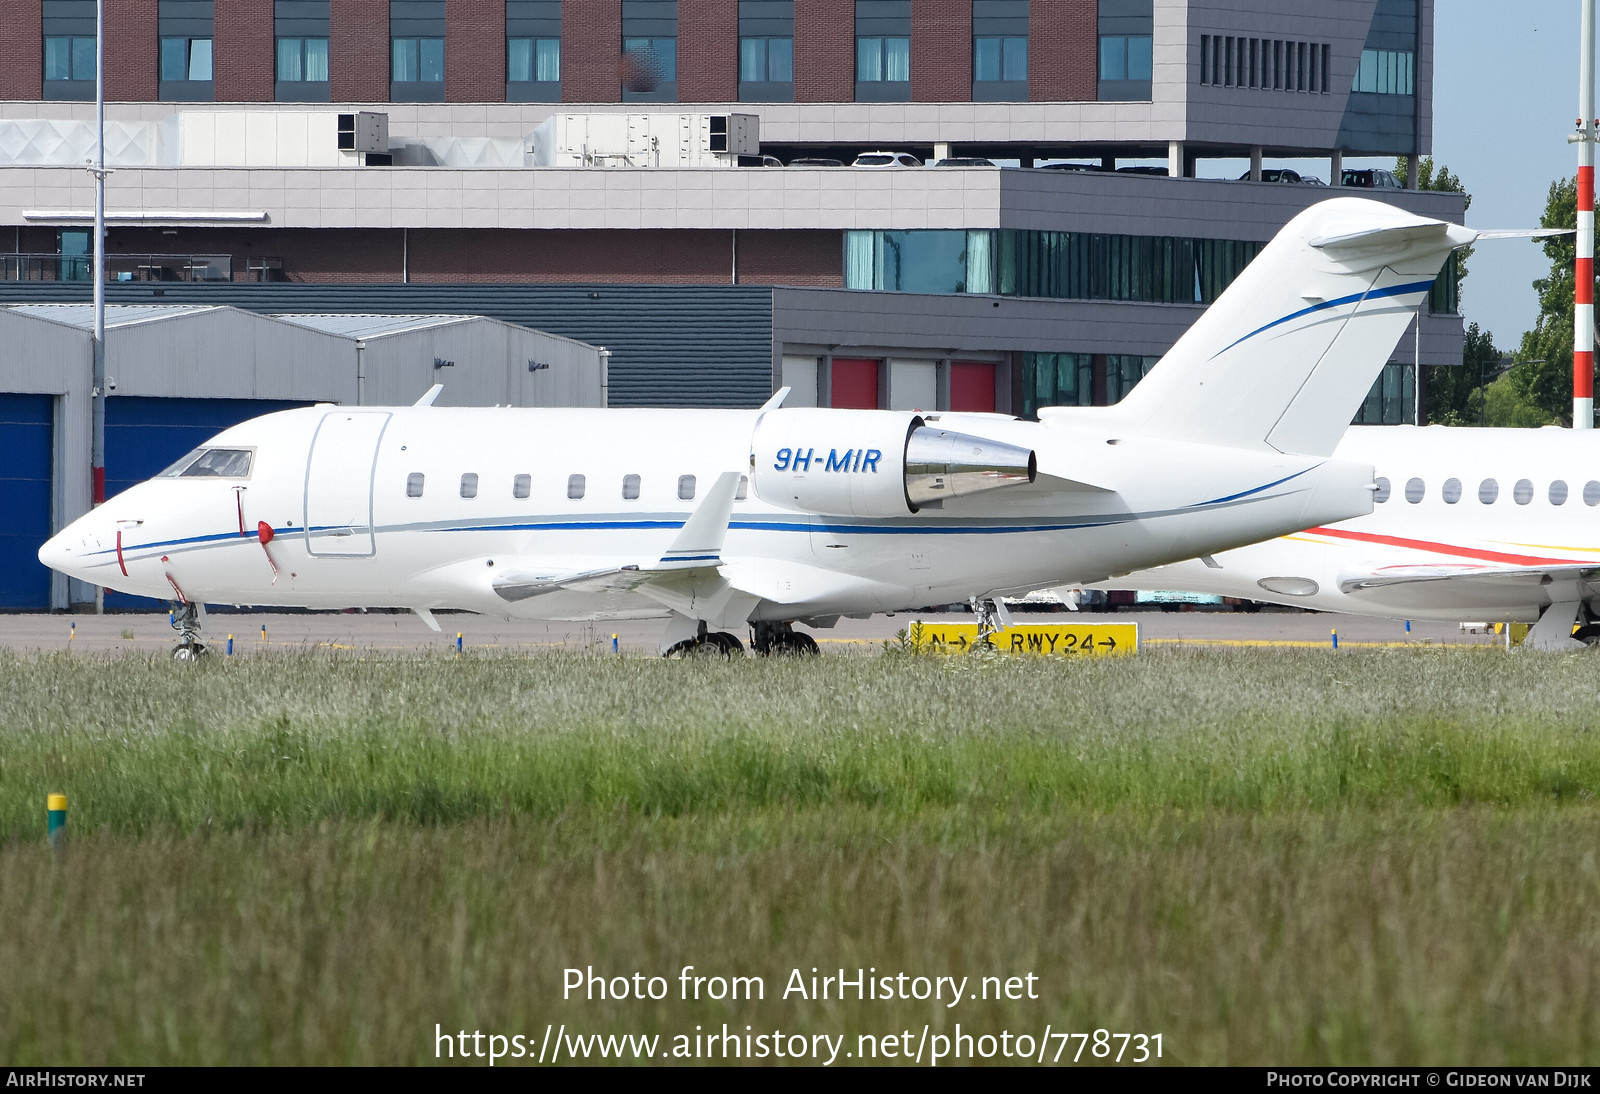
1583,311
97,443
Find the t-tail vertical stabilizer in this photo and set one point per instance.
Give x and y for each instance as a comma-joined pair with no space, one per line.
1286,354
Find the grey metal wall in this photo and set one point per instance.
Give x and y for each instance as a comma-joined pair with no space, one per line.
228,354
489,367
670,345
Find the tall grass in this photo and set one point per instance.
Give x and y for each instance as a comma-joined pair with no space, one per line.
268,742
1383,936
1362,857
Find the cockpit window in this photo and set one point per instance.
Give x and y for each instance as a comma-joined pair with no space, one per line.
212,463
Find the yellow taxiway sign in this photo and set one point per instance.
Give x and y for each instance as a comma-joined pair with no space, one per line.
1068,639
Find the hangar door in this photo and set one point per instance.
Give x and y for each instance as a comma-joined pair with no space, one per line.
145,435
26,435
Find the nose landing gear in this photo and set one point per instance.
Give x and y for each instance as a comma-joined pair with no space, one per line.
187,619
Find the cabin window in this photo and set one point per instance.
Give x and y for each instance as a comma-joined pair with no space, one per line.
1558,492
1415,489
1450,491
469,485
522,486
744,488
575,485
1488,490
630,487
685,487
414,484
1381,494
1591,493
1522,493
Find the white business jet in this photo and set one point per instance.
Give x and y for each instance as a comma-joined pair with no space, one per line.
718,519
1471,524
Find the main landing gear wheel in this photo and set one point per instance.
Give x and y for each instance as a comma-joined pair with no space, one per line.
1588,634
782,640
796,644
186,620
717,645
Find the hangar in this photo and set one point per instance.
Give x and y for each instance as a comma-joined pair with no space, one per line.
176,374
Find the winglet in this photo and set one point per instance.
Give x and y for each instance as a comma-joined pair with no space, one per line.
777,399
429,396
699,541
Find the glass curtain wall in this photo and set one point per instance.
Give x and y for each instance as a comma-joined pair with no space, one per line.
1057,265
1056,379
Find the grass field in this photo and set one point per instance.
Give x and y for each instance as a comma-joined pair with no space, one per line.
1287,857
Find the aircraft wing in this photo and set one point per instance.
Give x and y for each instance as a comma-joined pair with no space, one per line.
1481,573
687,578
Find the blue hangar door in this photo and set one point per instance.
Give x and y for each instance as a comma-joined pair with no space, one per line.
144,436
26,440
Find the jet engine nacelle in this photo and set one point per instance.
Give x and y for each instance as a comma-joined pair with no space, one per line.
874,463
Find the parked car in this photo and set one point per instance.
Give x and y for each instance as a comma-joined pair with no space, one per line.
1284,174
886,159
1141,170
964,161
760,161
1072,167
815,161
1370,178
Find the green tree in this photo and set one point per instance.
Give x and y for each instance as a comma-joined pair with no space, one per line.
1453,394
1543,376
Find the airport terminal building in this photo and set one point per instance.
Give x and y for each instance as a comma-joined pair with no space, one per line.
623,174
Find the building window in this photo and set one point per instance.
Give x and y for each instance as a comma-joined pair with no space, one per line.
1387,72
883,60
1393,398
649,65
1053,265
766,51
533,60
1445,296
1269,64
1056,379
997,59
185,59
69,58
1123,372
1125,57
766,60
417,61
303,60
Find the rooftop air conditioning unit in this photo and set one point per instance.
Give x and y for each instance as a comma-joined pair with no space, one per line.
365,131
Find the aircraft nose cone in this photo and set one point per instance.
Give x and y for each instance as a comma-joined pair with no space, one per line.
59,552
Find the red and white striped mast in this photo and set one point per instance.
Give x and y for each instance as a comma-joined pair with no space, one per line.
1583,313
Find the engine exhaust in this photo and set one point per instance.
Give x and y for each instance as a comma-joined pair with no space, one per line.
941,464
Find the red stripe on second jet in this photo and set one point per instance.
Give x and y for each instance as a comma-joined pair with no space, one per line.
1445,548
